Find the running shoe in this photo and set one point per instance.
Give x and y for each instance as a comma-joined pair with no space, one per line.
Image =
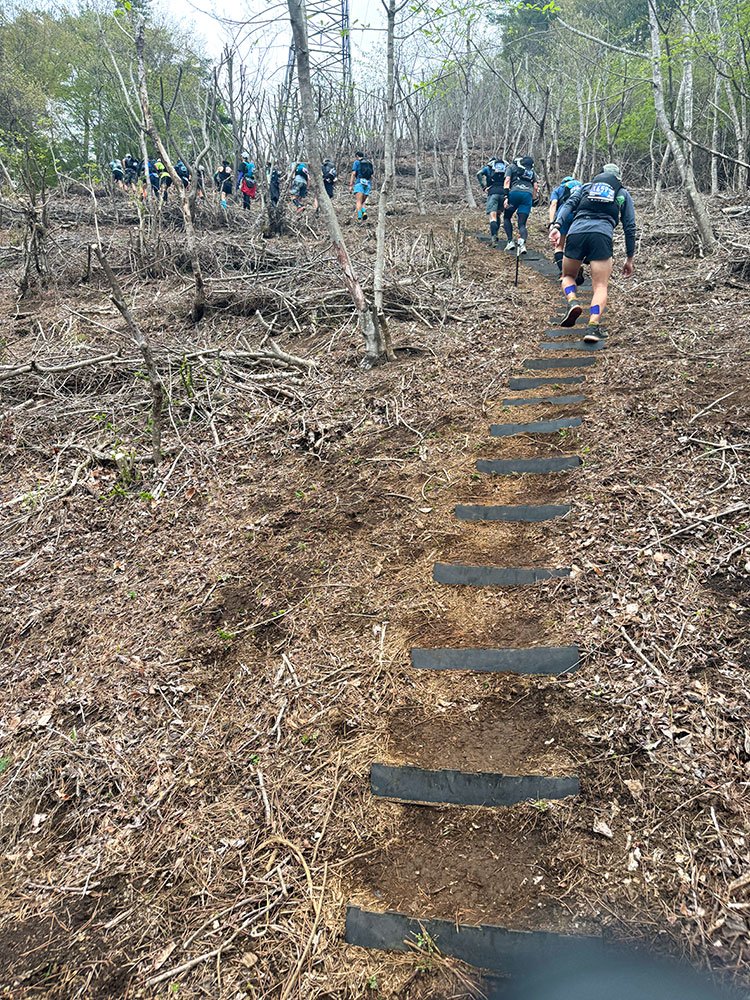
574,311
591,336
522,246
493,241
510,245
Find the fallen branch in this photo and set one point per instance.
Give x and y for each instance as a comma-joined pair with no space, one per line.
34,368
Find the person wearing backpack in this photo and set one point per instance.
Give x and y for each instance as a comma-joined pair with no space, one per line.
223,182
131,167
590,216
360,183
165,179
118,174
330,176
522,188
559,196
183,172
300,186
247,184
274,183
492,181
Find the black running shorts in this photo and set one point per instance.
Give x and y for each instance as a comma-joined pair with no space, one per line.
588,246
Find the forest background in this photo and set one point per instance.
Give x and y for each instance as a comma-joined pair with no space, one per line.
661,86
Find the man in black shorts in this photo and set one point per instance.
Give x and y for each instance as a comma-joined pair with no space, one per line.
492,181
590,216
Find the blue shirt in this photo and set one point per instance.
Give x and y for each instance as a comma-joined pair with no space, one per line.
561,189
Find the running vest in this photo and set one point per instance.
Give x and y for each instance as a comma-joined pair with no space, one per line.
602,198
567,190
497,171
365,170
522,178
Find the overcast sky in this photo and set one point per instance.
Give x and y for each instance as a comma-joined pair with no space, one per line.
205,17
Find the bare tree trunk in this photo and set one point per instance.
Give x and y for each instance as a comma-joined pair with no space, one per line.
687,95
199,291
715,137
695,201
370,332
388,179
661,175
468,190
418,182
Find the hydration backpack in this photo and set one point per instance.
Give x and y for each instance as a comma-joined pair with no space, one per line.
568,188
497,171
329,171
366,170
604,197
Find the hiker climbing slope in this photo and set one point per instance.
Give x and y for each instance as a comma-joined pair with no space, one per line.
330,175
492,181
300,185
118,174
591,215
360,183
223,182
559,196
522,188
247,184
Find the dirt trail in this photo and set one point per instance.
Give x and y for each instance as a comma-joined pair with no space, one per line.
197,685
481,865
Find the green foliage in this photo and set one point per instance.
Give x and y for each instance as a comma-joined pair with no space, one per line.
61,102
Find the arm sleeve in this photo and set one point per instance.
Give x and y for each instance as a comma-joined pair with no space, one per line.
628,224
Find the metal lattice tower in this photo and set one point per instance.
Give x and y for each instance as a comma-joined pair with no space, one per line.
328,41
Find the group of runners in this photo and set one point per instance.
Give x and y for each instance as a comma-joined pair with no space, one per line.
131,174
582,221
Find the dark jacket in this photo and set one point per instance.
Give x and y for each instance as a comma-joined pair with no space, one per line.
581,215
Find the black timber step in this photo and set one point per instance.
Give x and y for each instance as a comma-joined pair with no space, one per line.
487,946
466,788
572,345
535,260
551,660
528,466
538,364
531,400
514,514
458,575
540,965
535,427
540,382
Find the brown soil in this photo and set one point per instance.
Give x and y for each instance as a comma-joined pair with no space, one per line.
483,866
533,730
201,665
